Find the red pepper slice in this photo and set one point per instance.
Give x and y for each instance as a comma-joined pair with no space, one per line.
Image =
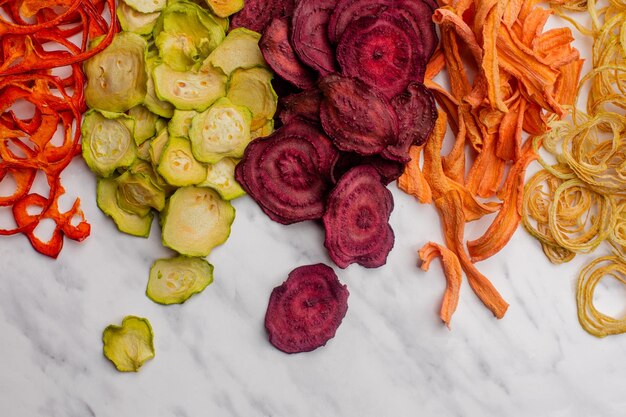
28,51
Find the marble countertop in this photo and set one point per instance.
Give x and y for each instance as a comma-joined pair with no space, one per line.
392,356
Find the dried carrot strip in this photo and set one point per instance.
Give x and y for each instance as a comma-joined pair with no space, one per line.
453,273
504,225
412,180
521,77
450,209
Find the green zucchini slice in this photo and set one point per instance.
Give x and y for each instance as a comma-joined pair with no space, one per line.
175,280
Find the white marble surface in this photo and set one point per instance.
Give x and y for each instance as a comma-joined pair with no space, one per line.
392,356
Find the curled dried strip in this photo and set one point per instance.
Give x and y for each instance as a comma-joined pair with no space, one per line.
571,5
27,147
566,214
594,148
538,196
34,40
618,233
591,319
23,44
574,206
453,272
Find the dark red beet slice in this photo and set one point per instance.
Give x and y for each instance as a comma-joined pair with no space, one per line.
379,50
357,219
417,113
419,13
257,14
309,34
348,10
305,105
356,116
389,170
306,310
289,172
280,55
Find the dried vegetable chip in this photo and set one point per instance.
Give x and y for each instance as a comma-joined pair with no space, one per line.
130,345
304,312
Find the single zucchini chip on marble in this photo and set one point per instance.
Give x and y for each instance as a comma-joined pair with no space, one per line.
127,222
130,345
117,77
137,193
221,131
252,87
180,123
133,21
175,280
146,6
240,49
221,177
224,8
107,142
177,164
195,220
188,90
151,100
145,123
185,35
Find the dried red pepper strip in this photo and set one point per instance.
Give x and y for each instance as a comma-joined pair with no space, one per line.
28,51
23,178
24,53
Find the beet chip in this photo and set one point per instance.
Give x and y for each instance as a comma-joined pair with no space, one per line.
305,105
357,219
257,14
381,51
348,10
356,116
279,55
306,310
309,34
389,170
417,113
288,173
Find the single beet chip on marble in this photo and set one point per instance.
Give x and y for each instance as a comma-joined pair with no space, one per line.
289,173
357,219
356,116
279,55
305,311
